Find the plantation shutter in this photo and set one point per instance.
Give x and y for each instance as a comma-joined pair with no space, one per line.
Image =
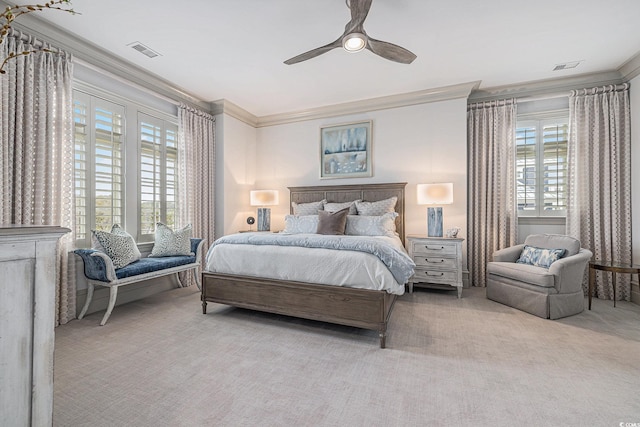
158,174
541,167
98,135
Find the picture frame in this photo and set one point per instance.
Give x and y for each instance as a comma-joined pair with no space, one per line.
345,150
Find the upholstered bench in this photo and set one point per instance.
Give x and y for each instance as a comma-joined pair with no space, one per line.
99,270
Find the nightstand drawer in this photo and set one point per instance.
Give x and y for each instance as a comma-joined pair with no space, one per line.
433,249
434,276
436,262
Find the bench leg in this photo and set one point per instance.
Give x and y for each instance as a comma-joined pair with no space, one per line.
113,293
87,301
180,285
197,278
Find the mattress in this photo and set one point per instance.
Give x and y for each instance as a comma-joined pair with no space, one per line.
273,256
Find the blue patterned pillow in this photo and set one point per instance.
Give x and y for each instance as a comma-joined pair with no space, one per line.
539,257
118,245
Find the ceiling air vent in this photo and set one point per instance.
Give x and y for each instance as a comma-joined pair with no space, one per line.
144,49
566,65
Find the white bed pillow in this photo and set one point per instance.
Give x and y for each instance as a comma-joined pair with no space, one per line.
299,224
367,225
335,207
311,208
378,208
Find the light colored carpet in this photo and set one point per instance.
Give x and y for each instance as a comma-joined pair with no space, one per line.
449,362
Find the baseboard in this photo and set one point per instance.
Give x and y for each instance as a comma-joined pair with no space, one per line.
126,294
466,280
635,293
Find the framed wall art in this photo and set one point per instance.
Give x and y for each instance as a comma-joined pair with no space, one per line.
345,150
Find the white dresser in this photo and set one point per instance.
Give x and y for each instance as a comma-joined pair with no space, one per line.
27,320
438,262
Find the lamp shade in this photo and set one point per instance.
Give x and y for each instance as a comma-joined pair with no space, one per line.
435,194
263,197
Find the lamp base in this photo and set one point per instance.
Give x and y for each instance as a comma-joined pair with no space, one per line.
264,219
434,222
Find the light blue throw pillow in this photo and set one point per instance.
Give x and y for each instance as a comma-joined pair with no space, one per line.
172,243
539,257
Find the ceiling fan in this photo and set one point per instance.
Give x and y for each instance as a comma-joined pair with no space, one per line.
355,39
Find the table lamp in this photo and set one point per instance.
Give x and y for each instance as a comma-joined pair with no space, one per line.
264,198
435,194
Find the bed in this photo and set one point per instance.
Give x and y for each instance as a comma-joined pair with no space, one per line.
350,306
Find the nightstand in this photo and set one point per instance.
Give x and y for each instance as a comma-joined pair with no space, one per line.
438,262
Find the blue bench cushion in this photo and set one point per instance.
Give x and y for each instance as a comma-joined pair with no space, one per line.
147,265
95,267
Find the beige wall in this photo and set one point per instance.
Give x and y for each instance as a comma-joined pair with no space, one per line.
416,144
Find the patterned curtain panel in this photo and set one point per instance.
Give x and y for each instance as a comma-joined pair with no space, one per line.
36,150
492,214
599,189
197,175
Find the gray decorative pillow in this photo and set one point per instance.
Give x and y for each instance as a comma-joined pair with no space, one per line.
335,207
308,208
118,245
298,224
378,208
332,222
172,243
361,225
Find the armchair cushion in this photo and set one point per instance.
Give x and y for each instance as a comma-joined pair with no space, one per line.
540,257
522,272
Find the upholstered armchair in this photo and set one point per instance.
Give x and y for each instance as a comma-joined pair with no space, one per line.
532,280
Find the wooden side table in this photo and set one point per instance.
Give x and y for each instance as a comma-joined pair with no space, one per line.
613,267
438,262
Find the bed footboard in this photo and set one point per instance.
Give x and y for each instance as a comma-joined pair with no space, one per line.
361,308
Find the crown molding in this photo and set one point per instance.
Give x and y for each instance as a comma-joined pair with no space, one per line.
541,88
381,103
98,57
631,68
223,106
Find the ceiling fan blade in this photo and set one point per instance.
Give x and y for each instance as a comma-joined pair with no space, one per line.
314,52
390,51
359,12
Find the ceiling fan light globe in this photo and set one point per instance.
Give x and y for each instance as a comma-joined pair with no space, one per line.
354,42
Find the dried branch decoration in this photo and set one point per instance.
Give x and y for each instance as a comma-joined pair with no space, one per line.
11,13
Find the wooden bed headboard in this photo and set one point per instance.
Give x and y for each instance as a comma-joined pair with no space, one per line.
348,193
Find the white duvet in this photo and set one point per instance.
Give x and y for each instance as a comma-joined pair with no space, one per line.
311,265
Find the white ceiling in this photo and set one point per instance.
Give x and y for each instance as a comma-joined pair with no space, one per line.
234,50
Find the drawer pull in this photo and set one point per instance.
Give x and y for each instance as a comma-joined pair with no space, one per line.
434,248
438,261
438,275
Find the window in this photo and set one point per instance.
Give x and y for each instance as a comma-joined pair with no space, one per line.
158,174
126,164
541,167
98,167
